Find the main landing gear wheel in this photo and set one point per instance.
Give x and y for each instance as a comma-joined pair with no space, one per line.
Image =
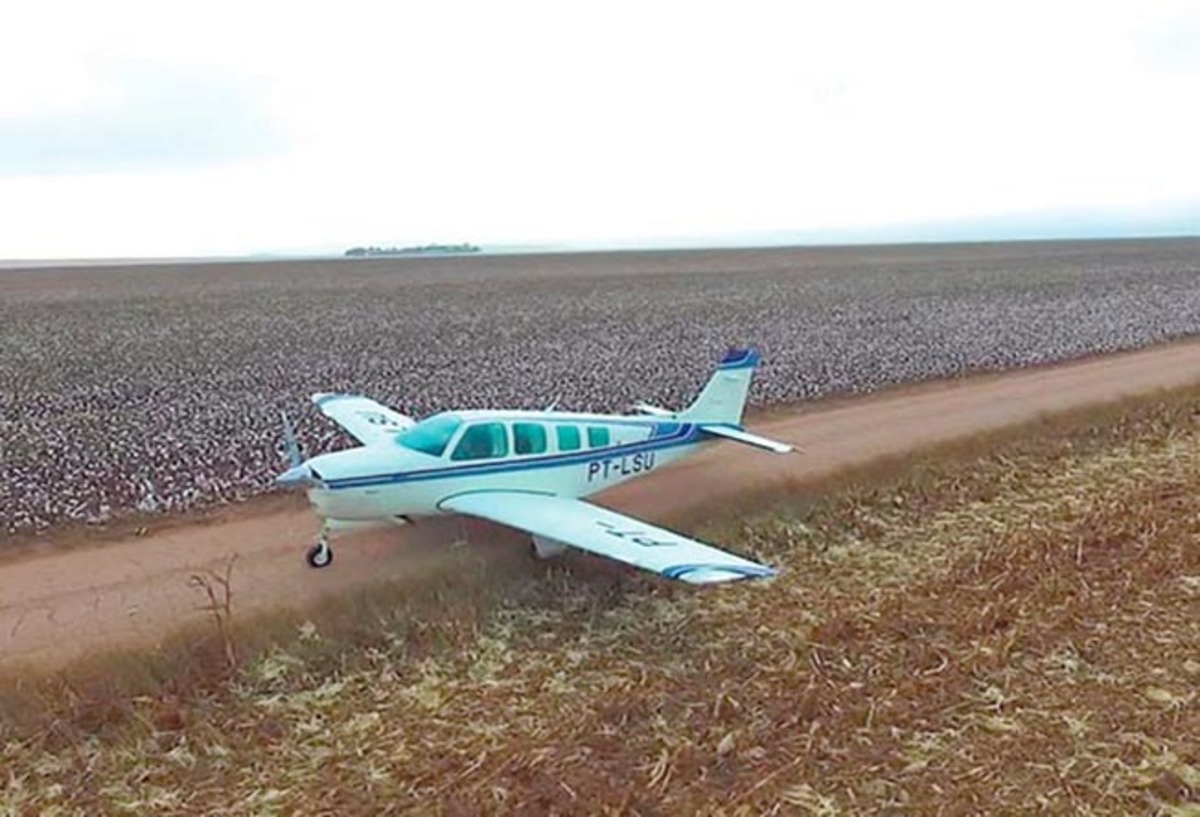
319,555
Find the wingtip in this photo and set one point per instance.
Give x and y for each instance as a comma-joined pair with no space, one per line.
320,398
712,574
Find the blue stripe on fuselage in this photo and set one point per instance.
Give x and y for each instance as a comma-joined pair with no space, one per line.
685,434
666,429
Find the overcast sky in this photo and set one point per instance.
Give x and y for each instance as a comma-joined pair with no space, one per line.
152,129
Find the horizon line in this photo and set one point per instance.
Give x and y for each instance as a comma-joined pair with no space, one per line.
677,244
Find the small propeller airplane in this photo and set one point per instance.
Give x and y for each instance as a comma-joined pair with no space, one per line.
527,470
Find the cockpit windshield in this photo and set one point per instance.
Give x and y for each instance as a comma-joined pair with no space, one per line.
431,435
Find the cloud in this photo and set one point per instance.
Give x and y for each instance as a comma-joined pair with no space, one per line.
142,128
1172,45
145,117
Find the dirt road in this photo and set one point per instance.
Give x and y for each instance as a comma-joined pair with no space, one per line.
57,606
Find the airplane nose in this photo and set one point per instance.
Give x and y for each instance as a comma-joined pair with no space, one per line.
295,477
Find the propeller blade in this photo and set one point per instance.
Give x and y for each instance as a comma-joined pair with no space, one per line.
290,444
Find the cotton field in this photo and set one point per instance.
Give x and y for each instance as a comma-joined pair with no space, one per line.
158,388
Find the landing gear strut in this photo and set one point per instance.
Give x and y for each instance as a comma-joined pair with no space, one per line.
544,548
320,554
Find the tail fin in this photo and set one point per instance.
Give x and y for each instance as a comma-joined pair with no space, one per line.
724,396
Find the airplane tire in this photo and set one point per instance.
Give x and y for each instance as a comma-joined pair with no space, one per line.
318,556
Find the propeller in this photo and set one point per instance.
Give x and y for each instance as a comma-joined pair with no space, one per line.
291,444
297,474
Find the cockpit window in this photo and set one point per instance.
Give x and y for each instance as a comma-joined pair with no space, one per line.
431,435
482,441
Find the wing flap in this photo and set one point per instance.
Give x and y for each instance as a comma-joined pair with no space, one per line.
608,533
361,417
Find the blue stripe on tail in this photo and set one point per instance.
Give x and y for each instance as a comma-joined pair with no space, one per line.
739,359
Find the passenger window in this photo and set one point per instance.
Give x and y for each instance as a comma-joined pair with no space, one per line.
529,438
597,436
482,441
568,438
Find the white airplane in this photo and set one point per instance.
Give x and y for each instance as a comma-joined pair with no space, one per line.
527,470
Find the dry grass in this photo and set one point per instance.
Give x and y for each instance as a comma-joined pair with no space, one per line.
1002,627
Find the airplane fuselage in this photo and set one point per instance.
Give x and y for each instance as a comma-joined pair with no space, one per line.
375,483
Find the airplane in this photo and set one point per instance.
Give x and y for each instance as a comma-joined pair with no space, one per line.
527,470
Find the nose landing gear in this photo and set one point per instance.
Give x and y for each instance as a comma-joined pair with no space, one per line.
321,554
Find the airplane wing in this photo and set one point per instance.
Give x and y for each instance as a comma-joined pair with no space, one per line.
362,418
607,533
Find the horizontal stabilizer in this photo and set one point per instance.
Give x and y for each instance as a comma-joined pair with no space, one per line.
654,411
741,436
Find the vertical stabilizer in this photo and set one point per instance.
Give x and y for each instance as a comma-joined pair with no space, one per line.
724,396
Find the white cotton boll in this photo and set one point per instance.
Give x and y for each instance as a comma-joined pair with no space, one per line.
176,374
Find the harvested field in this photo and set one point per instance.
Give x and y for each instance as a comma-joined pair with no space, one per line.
151,388
1003,626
